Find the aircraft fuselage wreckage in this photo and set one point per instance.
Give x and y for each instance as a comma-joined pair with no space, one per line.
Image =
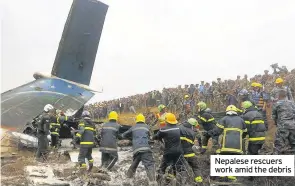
67,86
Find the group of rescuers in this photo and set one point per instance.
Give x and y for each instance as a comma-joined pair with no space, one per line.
179,139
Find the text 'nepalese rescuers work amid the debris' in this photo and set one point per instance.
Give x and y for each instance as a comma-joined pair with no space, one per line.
252,165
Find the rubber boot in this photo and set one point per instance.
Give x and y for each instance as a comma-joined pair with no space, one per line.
90,167
151,177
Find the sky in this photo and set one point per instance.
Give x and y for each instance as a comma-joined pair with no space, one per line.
148,45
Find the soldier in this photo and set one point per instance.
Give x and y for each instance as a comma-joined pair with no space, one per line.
255,127
208,123
142,151
188,136
43,131
279,86
86,134
283,114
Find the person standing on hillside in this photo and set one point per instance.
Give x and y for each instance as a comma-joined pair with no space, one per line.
279,86
283,114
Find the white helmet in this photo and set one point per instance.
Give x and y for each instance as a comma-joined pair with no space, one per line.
48,107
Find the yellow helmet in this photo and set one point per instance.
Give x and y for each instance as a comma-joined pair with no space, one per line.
171,119
259,85
186,96
254,84
140,118
113,116
231,108
279,80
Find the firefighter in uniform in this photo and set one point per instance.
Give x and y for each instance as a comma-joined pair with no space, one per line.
172,151
208,123
86,133
108,144
161,117
55,127
142,151
187,141
255,127
233,129
43,131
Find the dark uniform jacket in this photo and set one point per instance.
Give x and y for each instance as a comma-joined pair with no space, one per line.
171,136
187,139
86,132
206,120
232,127
255,125
109,134
140,137
43,124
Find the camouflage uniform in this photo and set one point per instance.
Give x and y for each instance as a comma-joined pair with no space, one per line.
276,90
283,114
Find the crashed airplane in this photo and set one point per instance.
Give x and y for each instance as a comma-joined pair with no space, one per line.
67,86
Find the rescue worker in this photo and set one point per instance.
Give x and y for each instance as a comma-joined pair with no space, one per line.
142,151
55,126
279,86
233,129
187,137
283,114
260,99
43,131
172,151
208,122
255,127
108,143
86,133
161,115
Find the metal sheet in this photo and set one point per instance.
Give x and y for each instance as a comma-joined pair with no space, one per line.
22,104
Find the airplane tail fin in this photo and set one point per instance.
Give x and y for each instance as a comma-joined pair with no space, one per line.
79,43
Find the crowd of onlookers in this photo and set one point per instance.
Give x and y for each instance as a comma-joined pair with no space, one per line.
214,93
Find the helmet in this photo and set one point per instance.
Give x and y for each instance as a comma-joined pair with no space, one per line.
231,108
254,84
193,121
140,118
113,116
243,92
48,107
202,105
259,85
246,104
85,113
208,110
170,118
58,112
279,80
186,96
161,107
